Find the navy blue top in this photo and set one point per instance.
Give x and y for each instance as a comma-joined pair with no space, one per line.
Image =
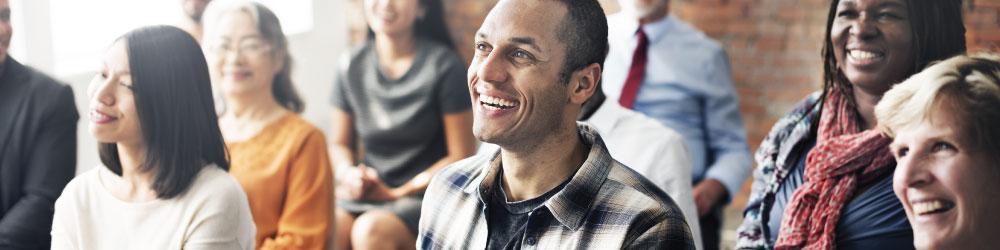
874,219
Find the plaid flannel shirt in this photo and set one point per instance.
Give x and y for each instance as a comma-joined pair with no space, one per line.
605,205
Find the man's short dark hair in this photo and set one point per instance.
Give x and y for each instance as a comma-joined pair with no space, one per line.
585,33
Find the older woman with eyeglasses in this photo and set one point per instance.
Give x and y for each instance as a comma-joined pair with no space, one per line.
280,159
943,122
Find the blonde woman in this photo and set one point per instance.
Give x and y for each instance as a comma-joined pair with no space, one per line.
944,124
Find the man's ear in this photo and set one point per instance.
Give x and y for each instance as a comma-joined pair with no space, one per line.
584,82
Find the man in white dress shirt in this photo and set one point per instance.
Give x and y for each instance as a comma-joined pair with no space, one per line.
666,69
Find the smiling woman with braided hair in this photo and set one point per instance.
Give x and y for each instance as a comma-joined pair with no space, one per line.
824,176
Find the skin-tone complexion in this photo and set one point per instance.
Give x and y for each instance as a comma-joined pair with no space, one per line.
113,119
519,102
242,64
5,31
872,42
947,186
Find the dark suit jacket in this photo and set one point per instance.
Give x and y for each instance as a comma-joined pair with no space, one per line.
37,153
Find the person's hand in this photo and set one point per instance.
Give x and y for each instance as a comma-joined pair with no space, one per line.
378,190
353,185
707,194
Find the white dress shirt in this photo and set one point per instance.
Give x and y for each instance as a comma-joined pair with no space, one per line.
687,87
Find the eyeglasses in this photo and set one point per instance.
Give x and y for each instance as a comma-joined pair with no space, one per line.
250,46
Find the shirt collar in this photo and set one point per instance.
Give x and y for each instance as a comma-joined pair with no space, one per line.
570,205
489,177
605,117
654,30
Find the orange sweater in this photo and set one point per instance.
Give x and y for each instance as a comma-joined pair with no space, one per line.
285,171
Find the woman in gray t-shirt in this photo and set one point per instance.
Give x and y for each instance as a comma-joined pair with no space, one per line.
402,111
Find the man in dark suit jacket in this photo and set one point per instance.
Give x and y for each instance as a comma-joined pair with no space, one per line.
37,147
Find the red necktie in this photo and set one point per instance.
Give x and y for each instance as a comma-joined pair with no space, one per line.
635,72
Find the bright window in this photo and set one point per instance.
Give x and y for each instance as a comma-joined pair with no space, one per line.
81,30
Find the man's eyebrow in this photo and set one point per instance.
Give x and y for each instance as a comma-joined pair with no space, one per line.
526,41
518,40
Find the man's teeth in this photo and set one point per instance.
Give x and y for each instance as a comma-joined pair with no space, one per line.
928,207
864,55
493,103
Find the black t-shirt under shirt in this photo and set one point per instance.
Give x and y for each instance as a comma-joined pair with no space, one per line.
506,221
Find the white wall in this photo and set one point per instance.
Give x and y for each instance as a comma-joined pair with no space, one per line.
315,53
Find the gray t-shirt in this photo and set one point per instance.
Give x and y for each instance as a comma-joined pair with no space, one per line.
399,121
507,221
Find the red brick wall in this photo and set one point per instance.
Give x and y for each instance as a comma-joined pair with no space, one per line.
773,45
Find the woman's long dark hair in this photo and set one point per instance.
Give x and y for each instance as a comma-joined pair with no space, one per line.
937,34
173,100
431,26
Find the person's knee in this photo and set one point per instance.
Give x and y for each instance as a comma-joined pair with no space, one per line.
343,218
376,226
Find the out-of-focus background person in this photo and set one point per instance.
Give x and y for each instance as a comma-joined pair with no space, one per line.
190,22
68,38
664,68
37,146
163,181
401,99
279,158
943,122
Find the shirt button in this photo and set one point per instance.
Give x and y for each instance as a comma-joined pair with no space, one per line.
530,241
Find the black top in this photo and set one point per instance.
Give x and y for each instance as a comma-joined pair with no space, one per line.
37,153
507,220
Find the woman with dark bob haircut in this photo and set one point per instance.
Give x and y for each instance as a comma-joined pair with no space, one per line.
164,181
824,172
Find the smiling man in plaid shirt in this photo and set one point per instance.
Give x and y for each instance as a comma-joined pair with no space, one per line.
552,184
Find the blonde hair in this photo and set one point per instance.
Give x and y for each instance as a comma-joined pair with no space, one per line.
971,86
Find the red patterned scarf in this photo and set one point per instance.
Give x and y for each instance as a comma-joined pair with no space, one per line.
842,160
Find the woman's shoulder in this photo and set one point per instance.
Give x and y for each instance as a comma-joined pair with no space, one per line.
215,185
81,186
808,102
354,57
360,50
804,108
795,124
